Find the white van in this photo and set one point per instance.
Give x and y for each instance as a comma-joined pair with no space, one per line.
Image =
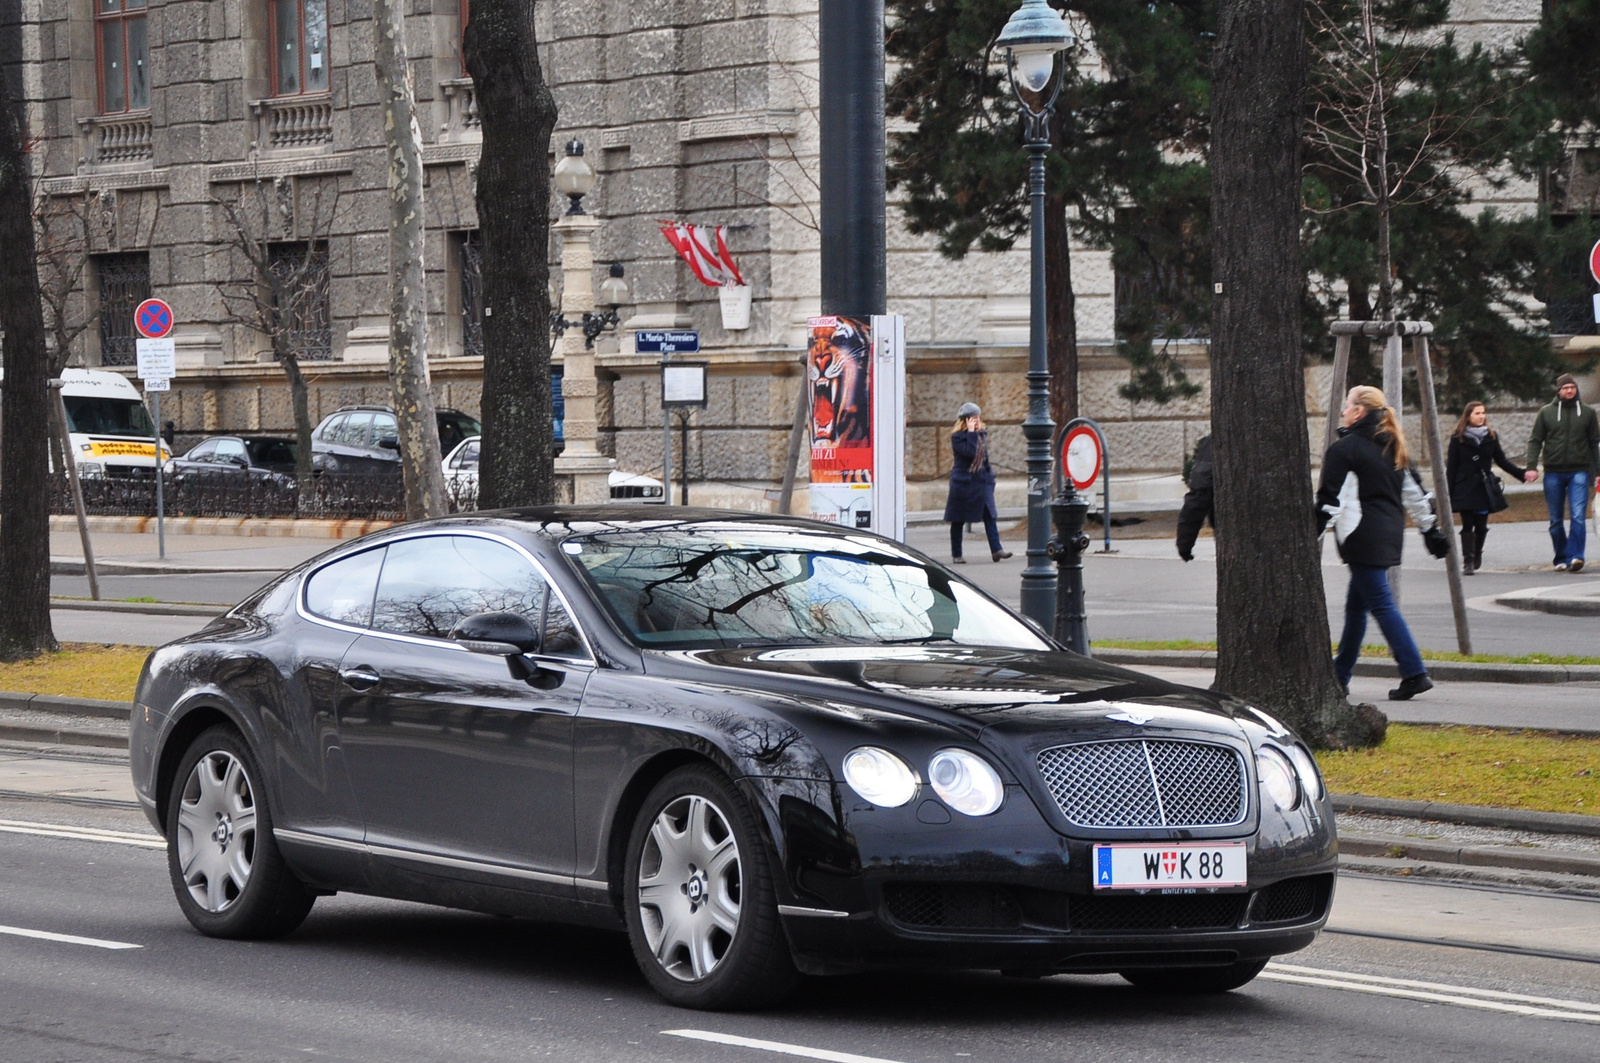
112,434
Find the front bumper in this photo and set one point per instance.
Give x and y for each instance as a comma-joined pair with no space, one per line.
900,887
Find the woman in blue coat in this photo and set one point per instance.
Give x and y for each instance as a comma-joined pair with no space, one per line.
971,483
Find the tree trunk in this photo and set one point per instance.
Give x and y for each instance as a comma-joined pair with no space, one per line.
518,114
24,404
1061,316
1272,627
420,460
298,399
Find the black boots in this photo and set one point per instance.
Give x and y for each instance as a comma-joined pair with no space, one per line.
1410,687
1472,549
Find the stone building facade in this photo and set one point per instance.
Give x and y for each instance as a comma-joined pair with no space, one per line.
151,114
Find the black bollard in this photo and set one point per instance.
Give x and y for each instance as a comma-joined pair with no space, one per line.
1069,511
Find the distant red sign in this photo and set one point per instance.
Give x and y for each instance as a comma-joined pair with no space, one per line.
1081,457
1594,261
153,319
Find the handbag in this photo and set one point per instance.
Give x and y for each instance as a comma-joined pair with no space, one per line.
1495,491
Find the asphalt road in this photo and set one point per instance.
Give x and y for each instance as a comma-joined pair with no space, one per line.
374,980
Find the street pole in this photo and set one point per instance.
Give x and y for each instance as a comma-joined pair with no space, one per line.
161,516
1069,511
666,432
851,166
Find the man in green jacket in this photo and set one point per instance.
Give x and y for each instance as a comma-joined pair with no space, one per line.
1568,434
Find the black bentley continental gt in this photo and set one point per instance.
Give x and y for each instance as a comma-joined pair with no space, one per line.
763,747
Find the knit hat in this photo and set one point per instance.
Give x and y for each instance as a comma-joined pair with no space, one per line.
1564,379
968,409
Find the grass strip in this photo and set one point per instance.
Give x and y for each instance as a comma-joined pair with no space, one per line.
79,670
1366,651
1540,771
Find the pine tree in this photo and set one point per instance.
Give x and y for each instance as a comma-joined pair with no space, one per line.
1117,127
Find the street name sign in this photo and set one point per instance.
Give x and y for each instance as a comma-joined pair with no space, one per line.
680,342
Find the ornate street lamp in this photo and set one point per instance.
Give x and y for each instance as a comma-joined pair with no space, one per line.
574,176
1033,37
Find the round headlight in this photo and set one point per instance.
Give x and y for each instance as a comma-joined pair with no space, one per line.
1310,777
880,776
1277,777
966,782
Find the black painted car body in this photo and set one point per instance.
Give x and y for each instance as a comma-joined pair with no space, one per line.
410,767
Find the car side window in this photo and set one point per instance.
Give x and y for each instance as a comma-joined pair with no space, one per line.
384,424
561,637
228,449
468,459
330,431
342,591
355,432
429,585
202,452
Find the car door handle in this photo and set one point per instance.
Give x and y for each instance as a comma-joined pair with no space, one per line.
362,678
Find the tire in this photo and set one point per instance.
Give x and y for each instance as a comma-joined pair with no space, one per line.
231,881
1195,979
699,900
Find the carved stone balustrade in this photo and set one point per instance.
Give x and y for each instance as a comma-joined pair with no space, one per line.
294,123
110,140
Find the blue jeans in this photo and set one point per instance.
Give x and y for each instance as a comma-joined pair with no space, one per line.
1571,488
1369,593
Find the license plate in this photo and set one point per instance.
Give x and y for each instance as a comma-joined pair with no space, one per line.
1185,865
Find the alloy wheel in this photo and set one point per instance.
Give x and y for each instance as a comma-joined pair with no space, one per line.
690,887
217,831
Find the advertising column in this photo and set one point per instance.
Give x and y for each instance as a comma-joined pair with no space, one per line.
856,377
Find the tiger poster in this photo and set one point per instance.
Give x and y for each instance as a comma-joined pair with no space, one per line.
839,375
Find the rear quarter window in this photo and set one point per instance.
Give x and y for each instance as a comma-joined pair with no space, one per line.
343,591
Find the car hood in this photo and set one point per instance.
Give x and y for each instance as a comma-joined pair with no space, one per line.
975,688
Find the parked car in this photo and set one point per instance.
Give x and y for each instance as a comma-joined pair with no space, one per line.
365,440
461,479
759,746
236,457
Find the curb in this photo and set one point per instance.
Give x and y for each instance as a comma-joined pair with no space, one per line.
1399,847
19,701
243,527
141,608
1581,600
65,736
1380,667
68,566
1470,815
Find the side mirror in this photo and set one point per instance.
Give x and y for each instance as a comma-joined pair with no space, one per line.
389,442
243,463
501,634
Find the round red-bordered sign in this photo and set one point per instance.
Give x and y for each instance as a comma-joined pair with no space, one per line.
1594,261
1081,458
153,319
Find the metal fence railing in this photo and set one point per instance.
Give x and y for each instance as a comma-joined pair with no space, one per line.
336,495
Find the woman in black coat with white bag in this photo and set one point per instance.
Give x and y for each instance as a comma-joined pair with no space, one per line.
1368,489
1475,490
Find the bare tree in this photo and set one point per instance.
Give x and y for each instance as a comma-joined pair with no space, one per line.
285,285
24,458
420,460
61,235
518,114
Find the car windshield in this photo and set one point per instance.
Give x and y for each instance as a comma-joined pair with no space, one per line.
110,417
705,585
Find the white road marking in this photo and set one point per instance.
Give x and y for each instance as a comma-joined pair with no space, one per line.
1436,993
66,939
83,834
775,1046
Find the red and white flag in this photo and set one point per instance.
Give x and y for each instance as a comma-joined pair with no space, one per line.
703,247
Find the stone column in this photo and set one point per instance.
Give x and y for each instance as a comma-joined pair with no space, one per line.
580,459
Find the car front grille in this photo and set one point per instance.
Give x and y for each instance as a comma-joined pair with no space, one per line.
951,907
1219,911
1146,783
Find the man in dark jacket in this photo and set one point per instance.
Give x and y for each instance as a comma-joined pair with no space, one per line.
1567,434
1197,507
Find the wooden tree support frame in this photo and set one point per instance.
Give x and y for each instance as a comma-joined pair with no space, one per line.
1393,332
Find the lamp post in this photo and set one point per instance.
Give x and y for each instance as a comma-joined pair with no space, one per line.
577,325
1032,38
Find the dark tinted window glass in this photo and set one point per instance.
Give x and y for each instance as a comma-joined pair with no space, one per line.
429,585
114,417
560,633
271,452
343,590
